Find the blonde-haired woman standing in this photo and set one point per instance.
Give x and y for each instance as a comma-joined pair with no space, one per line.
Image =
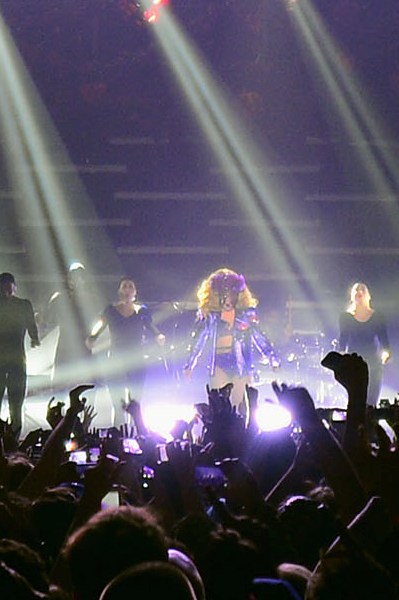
363,330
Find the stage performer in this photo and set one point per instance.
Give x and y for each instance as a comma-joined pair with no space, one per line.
73,309
16,318
362,330
227,326
131,329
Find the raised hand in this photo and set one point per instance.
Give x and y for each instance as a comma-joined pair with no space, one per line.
241,489
54,412
89,414
379,468
76,402
219,399
298,401
98,480
133,408
252,395
350,370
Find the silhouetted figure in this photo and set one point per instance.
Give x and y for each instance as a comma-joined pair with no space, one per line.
73,310
16,318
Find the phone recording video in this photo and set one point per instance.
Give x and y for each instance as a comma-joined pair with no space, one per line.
103,432
147,472
338,416
131,446
78,456
147,475
332,360
210,476
94,454
162,453
111,500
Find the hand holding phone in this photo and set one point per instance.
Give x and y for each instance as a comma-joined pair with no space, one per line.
332,361
350,370
78,456
210,476
131,446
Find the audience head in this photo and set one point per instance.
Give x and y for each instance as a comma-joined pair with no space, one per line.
228,566
348,575
26,563
183,562
109,543
310,527
18,467
51,516
14,586
297,575
150,580
193,531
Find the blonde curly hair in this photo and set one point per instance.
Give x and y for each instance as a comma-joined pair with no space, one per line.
209,295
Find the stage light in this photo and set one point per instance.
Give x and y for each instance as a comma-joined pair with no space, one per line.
153,13
271,417
162,418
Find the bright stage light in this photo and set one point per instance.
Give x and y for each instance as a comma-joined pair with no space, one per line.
153,13
239,157
162,418
347,98
271,417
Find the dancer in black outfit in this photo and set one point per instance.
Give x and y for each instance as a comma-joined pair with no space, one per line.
73,309
130,327
363,330
16,318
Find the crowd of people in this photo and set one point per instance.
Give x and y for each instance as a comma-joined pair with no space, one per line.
223,510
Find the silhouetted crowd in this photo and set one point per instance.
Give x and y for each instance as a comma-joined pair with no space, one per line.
306,511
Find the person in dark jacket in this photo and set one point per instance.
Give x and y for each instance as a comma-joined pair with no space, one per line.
16,318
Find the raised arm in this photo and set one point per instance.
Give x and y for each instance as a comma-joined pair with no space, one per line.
351,371
97,330
31,325
53,452
335,464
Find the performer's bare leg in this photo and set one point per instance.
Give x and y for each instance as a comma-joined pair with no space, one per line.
238,396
